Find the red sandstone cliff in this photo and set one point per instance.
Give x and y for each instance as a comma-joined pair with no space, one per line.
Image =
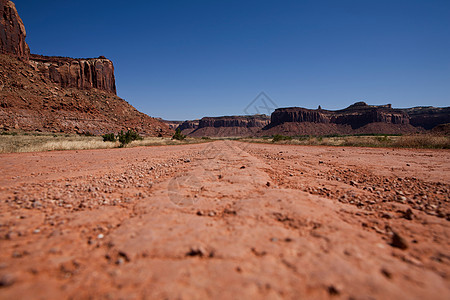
12,31
358,118
77,73
225,126
60,94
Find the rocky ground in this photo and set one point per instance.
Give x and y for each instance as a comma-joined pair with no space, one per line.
225,220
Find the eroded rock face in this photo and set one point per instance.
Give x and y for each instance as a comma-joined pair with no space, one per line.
298,114
428,117
234,121
227,126
356,115
191,124
12,31
77,73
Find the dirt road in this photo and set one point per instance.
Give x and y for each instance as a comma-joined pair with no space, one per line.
225,220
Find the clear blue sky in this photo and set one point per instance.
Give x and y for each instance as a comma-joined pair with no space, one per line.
187,59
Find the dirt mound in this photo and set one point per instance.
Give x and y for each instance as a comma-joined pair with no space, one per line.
31,102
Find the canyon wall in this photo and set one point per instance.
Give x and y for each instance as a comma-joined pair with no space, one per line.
428,117
77,73
226,126
356,115
12,31
60,94
234,121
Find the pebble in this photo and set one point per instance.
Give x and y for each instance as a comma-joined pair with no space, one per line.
100,236
398,242
408,214
7,280
387,215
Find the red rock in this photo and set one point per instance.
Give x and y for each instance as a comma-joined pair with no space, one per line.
77,73
12,31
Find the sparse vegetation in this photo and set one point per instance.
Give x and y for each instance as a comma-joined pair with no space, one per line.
49,142
374,140
279,137
178,135
109,137
34,142
8,133
128,137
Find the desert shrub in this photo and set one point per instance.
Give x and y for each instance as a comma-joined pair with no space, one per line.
279,137
128,137
9,133
206,138
109,137
382,139
178,135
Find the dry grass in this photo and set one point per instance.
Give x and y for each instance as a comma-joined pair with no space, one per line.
49,142
161,141
407,141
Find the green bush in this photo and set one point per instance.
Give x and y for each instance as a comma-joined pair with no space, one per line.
109,137
178,135
128,137
279,137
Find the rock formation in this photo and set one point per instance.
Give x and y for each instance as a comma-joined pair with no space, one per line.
428,117
60,94
188,126
12,31
225,126
77,73
358,118
356,115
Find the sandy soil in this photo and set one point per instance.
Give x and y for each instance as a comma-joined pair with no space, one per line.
225,220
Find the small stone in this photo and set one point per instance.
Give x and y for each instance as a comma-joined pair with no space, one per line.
386,273
187,160
196,251
267,183
333,291
242,167
7,280
353,183
211,214
408,214
200,213
387,215
398,241
100,236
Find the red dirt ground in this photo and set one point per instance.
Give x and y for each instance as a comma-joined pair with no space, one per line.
225,220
